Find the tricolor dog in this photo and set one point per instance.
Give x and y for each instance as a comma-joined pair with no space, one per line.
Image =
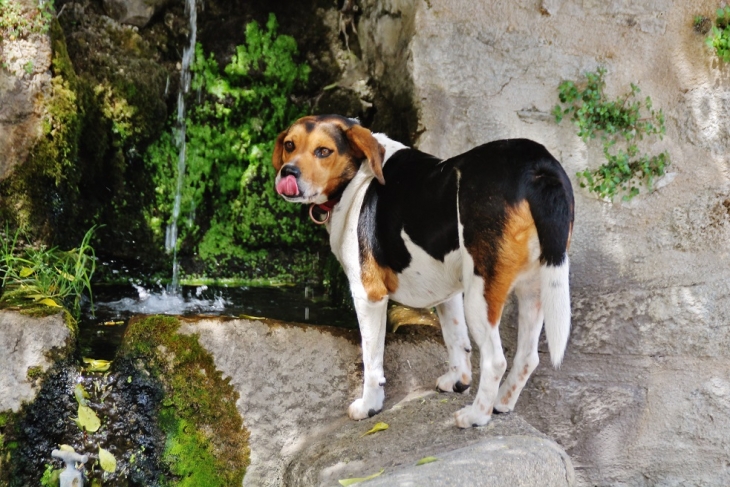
459,234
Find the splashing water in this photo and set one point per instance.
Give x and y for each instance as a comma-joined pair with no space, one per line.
185,76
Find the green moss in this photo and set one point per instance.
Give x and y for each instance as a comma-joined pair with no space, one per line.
34,372
206,442
8,422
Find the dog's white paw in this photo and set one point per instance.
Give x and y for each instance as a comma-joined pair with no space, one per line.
501,408
455,381
471,416
362,408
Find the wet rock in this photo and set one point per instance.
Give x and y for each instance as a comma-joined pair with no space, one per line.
295,383
25,344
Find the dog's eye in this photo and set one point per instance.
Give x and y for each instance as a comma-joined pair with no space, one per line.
289,145
322,152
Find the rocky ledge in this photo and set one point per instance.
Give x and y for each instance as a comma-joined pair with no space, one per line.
295,383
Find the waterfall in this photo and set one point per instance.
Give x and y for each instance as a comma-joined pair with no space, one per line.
187,59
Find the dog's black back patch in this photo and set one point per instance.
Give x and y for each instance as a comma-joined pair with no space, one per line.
419,197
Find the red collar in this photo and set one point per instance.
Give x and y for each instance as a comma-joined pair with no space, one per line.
326,208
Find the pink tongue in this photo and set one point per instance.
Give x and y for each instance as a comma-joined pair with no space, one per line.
287,186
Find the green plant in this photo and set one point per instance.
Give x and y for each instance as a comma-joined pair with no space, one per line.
228,187
29,67
621,124
35,277
18,21
719,38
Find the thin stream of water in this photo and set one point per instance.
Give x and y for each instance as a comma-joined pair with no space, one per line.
185,77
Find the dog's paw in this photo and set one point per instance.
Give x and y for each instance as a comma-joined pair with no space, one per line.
361,409
453,381
501,409
471,416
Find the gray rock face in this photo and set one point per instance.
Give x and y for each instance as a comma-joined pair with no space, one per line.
507,451
295,383
24,343
24,81
133,12
642,397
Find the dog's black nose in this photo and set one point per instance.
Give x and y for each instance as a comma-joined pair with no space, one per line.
290,170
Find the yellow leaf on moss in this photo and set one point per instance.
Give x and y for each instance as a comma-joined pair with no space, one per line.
88,419
94,365
357,480
376,428
50,302
107,461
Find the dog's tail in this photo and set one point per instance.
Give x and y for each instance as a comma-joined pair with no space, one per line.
550,196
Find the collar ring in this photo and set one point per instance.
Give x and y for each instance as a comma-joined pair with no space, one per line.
327,215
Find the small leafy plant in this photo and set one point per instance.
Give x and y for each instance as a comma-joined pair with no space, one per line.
40,277
621,124
18,21
719,39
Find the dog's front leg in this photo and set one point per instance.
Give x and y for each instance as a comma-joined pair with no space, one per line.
371,315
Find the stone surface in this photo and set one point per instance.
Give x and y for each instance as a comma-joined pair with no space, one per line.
295,383
25,342
507,451
133,12
24,81
642,397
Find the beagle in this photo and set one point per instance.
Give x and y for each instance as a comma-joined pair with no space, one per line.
459,234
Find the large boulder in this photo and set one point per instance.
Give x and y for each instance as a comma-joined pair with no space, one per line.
25,81
643,396
133,12
296,381
26,348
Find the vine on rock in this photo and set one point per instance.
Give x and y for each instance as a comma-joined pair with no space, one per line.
621,124
719,38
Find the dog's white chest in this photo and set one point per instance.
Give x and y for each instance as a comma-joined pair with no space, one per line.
427,281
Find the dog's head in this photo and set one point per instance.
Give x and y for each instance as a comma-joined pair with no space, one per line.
317,156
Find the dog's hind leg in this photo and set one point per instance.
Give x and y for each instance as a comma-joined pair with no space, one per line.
456,338
483,323
526,357
372,316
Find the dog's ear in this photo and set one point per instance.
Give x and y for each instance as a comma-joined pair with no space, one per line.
276,158
365,145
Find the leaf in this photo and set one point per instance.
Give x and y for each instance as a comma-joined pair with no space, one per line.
66,448
50,302
80,394
26,271
97,365
88,419
249,317
107,461
426,460
357,480
376,428
66,275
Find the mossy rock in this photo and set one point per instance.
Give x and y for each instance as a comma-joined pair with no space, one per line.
206,444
